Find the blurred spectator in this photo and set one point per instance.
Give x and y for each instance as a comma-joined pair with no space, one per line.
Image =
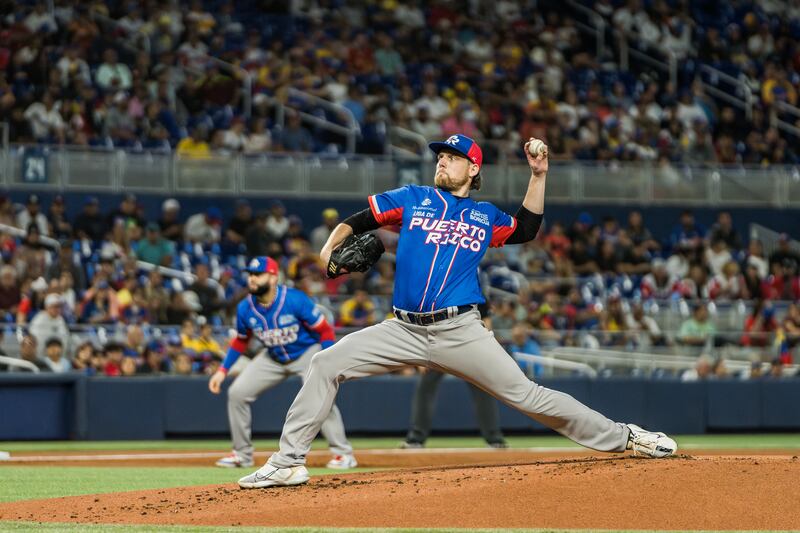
49,324
204,228
183,365
257,237
60,226
208,294
65,263
33,215
723,230
687,233
194,146
522,342
697,330
784,255
154,360
782,284
717,256
776,368
126,213
320,234
239,224
112,75
755,257
99,304
90,223
729,284
760,325
83,361
127,367
54,356
277,222
113,359
154,248
259,140
644,329
134,342
157,297
169,223
358,311
10,295
295,137
29,351
45,120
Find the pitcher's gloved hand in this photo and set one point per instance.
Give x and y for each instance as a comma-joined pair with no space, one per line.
356,254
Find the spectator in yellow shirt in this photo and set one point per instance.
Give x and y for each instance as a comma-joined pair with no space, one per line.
358,311
194,146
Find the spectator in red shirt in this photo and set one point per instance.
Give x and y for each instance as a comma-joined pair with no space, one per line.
556,242
114,356
759,326
782,284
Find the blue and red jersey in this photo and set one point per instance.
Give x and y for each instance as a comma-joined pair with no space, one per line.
442,241
287,327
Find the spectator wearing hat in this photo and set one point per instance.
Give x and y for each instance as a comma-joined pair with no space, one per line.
241,221
204,228
257,238
33,215
55,358
154,248
127,213
320,234
170,224
90,223
49,323
99,305
33,295
154,360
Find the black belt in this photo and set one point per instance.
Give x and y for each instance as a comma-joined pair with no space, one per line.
426,319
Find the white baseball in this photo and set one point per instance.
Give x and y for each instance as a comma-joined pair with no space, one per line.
537,147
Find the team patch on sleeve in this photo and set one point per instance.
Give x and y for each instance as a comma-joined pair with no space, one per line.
387,207
503,226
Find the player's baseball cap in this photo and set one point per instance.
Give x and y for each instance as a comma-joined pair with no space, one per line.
461,144
261,264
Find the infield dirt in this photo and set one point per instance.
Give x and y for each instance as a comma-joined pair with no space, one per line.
555,490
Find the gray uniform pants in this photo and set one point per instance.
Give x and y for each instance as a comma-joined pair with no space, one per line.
261,374
461,346
424,401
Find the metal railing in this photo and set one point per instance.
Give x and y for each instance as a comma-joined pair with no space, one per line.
354,176
351,131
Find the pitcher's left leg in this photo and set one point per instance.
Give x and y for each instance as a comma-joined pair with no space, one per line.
466,349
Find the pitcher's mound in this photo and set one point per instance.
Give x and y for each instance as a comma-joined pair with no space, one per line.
709,492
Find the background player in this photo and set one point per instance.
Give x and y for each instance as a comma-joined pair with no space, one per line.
292,329
444,234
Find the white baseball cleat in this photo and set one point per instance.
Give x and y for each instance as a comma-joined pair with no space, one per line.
342,462
273,476
234,460
649,443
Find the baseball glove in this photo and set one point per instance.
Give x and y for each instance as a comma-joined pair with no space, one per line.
356,254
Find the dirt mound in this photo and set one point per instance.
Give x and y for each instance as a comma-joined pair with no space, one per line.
710,492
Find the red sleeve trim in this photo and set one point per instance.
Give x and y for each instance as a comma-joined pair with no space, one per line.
388,218
324,330
240,345
500,234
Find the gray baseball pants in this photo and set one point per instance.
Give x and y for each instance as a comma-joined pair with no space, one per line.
263,373
461,346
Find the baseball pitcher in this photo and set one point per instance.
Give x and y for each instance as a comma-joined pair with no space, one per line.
444,234
291,329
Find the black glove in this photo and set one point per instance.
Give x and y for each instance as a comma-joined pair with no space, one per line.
356,254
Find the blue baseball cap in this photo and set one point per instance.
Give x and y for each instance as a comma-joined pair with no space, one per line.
261,264
461,144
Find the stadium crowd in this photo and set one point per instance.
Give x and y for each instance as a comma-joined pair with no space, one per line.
497,71
585,283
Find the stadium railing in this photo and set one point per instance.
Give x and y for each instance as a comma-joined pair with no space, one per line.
338,176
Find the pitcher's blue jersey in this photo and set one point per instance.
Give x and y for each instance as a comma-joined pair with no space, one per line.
442,241
284,328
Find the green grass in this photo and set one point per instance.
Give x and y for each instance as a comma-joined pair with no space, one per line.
743,441
70,528
31,482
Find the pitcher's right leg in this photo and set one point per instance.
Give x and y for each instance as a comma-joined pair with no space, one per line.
374,350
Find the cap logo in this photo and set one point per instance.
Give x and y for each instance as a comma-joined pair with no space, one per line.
254,263
452,140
